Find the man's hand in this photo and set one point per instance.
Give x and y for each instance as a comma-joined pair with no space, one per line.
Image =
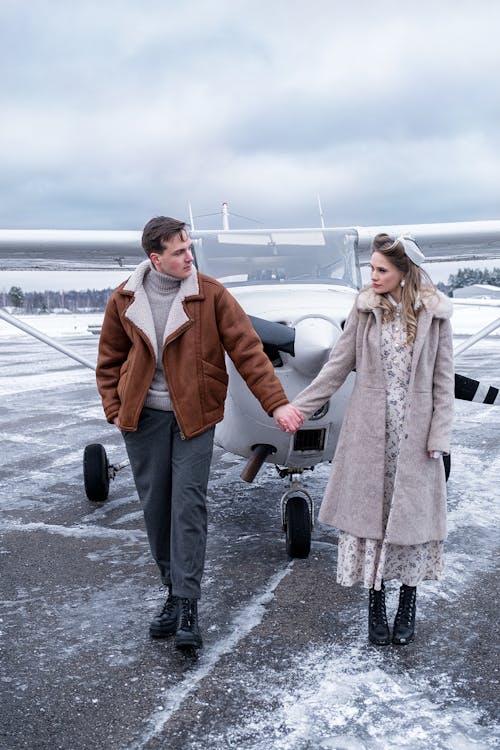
116,422
288,418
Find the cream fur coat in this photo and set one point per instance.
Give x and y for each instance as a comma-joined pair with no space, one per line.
354,493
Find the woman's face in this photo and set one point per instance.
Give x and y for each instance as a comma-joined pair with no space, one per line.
385,276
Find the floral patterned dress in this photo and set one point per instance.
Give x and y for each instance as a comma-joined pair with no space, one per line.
369,561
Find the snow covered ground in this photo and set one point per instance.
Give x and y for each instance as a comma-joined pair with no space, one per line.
286,663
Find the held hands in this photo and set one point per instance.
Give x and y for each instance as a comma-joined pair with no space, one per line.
288,418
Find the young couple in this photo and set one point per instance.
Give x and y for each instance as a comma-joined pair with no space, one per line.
162,379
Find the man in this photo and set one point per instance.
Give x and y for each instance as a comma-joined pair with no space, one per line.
162,378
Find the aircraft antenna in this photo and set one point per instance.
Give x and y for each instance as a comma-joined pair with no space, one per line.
225,216
191,218
322,220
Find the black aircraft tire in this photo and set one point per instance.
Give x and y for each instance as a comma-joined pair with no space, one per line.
298,527
95,472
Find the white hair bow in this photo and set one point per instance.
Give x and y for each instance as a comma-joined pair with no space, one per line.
411,249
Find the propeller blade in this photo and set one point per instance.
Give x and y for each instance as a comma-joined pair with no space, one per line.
469,389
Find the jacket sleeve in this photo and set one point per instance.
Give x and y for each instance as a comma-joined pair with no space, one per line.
341,362
114,346
443,392
245,349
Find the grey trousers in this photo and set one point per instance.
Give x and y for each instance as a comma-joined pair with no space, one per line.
171,477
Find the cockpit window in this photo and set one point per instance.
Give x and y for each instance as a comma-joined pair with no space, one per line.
300,255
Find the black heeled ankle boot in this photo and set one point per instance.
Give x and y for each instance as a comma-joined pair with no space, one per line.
188,633
404,623
165,622
378,629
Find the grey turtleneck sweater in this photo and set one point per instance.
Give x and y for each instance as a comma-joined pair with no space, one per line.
161,290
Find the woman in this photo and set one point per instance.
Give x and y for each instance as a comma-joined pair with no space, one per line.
387,491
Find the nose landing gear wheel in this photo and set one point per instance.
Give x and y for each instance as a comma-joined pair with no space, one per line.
96,472
297,527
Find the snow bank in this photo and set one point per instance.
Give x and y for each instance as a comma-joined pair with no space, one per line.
72,324
467,320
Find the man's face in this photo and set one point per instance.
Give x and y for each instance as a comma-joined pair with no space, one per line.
176,258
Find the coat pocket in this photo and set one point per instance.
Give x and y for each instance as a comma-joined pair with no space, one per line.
123,379
215,380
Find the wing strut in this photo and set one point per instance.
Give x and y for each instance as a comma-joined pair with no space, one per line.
46,339
477,337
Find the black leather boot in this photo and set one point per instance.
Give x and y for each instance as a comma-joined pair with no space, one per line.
404,624
378,629
165,622
188,633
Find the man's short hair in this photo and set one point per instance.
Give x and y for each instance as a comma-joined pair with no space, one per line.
158,230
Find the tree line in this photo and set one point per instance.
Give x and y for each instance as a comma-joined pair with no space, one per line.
95,300
91,300
468,276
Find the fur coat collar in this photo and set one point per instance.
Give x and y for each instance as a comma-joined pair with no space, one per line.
436,303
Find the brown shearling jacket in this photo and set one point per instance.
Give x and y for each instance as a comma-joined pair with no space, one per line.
205,321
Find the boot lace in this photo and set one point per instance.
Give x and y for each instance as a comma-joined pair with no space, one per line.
186,614
170,605
377,606
405,611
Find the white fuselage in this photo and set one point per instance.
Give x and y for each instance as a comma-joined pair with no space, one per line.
317,311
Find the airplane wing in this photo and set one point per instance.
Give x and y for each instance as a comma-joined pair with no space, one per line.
68,249
456,241
72,249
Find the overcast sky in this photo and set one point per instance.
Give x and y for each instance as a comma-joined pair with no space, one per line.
115,111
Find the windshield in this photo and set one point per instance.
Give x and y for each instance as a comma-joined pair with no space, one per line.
281,255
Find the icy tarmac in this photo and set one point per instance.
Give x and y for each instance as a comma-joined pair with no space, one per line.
286,663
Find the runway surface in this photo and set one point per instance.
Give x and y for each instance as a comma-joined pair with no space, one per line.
286,662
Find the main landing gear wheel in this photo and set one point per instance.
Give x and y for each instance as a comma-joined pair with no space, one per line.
96,472
298,527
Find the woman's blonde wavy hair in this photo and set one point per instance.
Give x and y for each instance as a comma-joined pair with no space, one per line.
416,281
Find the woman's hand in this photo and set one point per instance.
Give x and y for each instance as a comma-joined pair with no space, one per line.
288,418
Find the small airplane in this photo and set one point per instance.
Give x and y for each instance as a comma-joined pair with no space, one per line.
297,286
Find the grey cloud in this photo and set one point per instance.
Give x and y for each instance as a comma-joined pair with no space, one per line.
113,112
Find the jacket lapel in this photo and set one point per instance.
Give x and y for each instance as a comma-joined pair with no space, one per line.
178,317
423,325
377,360
139,311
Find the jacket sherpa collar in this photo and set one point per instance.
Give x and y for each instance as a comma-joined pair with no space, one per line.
139,311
